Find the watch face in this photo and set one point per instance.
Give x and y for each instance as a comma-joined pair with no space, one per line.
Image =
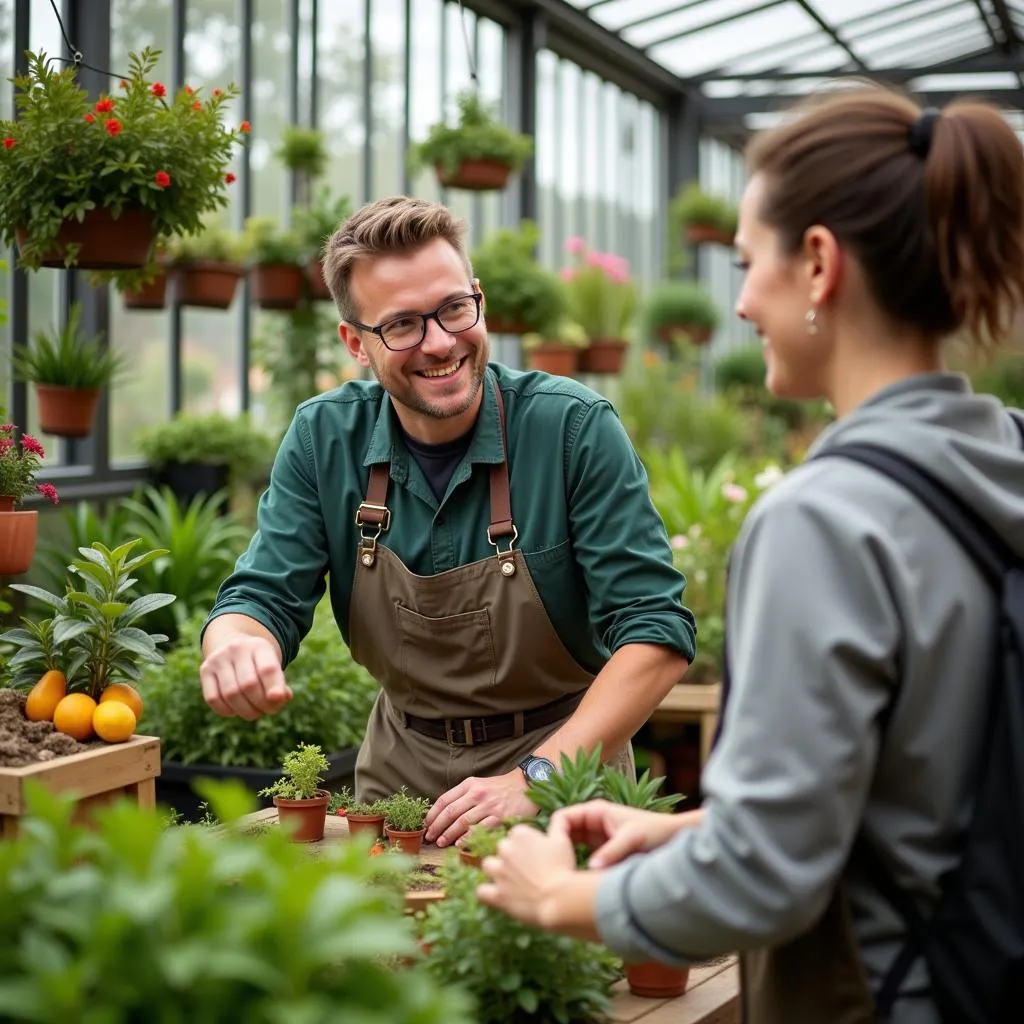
540,769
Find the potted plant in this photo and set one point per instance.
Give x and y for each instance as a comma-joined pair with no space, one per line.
677,312
277,279
20,461
602,299
301,803
558,351
403,820
150,289
92,183
366,817
315,224
703,217
482,841
304,152
206,267
478,153
522,297
69,371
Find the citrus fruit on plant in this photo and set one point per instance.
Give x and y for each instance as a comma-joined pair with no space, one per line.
73,715
44,697
113,721
126,695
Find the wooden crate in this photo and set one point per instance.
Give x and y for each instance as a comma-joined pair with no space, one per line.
98,776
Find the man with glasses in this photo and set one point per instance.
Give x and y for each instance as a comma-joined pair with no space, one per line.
492,553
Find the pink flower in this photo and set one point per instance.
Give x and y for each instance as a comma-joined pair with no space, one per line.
30,444
568,274
734,493
49,492
6,428
6,444
679,541
575,244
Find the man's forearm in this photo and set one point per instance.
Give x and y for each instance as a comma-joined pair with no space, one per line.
224,627
621,698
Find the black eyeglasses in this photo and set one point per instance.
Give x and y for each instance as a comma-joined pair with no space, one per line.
408,331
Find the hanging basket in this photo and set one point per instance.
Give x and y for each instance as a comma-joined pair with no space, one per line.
277,285
18,533
700,234
105,243
208,284
559,360
318,289
495,325
483,175
66,412
603,355
152,295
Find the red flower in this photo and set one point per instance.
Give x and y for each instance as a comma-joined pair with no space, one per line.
245,127
197,105
229,178
105,106
6,444
49,492
218,92
6,428
189,91
162,178
89,118
113,127
10,143
158,89
30,444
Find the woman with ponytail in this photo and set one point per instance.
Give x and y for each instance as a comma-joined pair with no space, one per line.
860,633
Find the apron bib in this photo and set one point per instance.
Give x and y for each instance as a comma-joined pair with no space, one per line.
473,675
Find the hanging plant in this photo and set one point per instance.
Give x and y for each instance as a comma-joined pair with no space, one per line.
93,183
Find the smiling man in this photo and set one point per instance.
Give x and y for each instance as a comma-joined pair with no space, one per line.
492,553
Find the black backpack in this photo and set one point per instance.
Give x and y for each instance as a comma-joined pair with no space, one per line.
974,943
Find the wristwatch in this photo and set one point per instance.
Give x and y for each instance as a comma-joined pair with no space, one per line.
536,769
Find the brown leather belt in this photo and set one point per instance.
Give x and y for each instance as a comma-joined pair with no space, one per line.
468,732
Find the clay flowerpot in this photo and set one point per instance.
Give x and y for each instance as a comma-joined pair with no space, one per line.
495,325
152,295
657,981
277,285
66,412
560,360
407,842
105,243
699,234
18,532
207,283
305,818
373,824
483,175
603,355
318,289
470,859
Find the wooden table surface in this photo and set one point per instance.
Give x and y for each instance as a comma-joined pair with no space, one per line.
712,996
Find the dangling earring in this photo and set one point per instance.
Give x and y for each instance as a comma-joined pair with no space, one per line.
811,319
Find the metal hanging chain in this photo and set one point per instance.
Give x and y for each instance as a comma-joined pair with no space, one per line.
76,55
470,59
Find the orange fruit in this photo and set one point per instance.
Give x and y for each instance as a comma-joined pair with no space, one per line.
113,721
126,695
44,697
73,715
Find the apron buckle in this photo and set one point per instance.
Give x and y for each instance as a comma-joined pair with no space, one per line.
467,730
506,558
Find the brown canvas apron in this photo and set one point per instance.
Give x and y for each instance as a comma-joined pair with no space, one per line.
473,675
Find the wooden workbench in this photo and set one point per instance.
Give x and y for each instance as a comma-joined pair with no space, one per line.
687,702
712,996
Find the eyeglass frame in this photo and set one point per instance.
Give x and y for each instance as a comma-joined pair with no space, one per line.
475,295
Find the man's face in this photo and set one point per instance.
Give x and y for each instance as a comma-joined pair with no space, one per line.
435,386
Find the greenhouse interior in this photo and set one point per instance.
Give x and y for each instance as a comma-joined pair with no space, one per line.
595,151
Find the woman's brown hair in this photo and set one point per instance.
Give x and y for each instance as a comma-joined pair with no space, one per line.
932,207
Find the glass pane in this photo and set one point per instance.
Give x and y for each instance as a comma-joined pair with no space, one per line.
570,169
547,155
949,27
592,128
6,111
489,207
271,85
425,84
458,34
388,34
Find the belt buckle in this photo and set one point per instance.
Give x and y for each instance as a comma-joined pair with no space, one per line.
467,731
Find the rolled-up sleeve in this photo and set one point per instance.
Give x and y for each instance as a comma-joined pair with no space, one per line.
280,577
635,592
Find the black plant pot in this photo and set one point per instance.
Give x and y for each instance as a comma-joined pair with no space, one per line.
174,784
189,479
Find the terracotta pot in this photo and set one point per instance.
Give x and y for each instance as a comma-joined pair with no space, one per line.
152,295
475,175
699,234
498,326
104,243
306,818
603,355
560,360
697,334
18,533
372,824
318,289
410,842
207,283
66,412
277,285
470,859
657,981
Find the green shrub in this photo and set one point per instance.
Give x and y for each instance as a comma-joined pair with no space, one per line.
405,813
302,774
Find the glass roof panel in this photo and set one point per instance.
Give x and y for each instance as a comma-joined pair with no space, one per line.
693,19
898,45
617,13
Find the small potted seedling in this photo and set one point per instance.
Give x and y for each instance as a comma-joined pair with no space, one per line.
481,841
340,801
366,816
403,820
301,803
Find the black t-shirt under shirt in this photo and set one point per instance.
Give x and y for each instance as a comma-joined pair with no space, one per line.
438,461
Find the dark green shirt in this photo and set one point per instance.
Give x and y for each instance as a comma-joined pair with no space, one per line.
595,546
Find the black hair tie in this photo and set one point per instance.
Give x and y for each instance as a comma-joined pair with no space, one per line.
920,133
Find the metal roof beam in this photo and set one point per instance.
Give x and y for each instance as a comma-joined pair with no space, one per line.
648,18
1002,13
704,26
830,31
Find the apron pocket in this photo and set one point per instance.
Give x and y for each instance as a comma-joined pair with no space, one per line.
447,663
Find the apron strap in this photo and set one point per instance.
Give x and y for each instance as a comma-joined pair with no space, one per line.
374,511
501,499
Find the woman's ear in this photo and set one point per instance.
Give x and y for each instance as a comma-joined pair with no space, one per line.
823,259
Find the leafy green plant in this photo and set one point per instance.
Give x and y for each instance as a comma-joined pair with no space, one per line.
340,800
563,333
268,245
518,290
331,701
693,206
405,813
576,781
643,792
602,296
21,458
515,973
217,925
302,773
303,149
678,306
94,629
476,135
68,154
212,243
64,357
482,840
319,220
368,808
